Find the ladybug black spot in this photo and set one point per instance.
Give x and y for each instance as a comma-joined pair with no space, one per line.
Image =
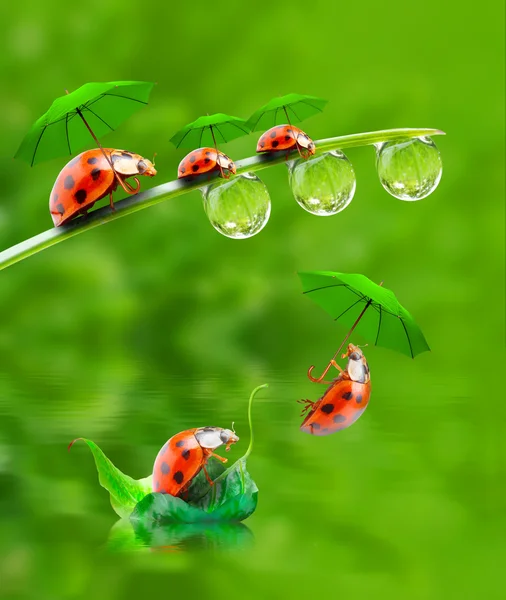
195,168
186,454
275,144
93,160
208,153
347,395
287,138
55,198
339,419
193,158
178,476
59,208
273,134
183,170
95,174
262,145
80,196
327,408
316,425
358,399
69,182
207,160
180,444
165,468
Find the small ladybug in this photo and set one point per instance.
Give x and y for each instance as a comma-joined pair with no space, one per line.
182,457
205,160
345,399
89,177
286,138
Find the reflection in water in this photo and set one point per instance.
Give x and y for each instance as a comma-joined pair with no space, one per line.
128,536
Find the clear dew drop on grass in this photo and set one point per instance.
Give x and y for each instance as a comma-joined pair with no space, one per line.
323,185
409,169
239,207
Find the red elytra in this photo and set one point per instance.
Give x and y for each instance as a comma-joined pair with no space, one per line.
185,454
284,138
344,400
89,177
205,160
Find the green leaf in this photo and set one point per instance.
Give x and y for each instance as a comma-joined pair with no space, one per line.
125,492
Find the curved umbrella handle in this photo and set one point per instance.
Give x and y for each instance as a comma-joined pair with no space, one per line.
319,379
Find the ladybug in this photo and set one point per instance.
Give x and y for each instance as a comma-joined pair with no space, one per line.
89,177
286,138
205,160
182,457
344,400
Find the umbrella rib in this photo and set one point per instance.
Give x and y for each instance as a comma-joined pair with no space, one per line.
257,121
38,142
336,285
379,327
126,98
349,307
407,335
67,131
182,139
291,108
98,117
312,106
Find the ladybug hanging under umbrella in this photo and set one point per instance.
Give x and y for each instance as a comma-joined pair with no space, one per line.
375,313
93,110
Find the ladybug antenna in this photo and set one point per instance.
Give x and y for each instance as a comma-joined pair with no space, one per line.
153,161
362,345
233,430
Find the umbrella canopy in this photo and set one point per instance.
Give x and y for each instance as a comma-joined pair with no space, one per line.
210,130
94,107
293,108
374,311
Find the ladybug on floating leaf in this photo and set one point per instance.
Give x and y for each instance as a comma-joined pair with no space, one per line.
210,129
93,109
375,313
185,454
283,137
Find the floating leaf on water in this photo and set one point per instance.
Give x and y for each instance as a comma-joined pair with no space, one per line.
238,208
323,185
409,169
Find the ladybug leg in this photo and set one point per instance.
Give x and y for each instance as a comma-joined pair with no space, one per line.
211,482
308,406
334,364
111,201
223,460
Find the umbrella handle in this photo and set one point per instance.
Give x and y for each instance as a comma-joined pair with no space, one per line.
129,189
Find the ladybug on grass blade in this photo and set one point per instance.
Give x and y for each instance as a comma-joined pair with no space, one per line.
345,399
89,177
205,160
185,454
285,138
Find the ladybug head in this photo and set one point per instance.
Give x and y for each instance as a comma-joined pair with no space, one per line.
357,365
146,167
214,437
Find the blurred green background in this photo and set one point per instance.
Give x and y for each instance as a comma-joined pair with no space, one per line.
156,323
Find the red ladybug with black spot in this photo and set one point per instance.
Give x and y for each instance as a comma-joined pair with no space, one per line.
90,177
206,160
185,454
284,138
345,399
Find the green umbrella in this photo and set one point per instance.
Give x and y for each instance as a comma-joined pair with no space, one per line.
94,108
360,304
210,130
293,108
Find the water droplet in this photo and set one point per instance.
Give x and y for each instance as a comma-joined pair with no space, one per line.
409,169
323,185
238,208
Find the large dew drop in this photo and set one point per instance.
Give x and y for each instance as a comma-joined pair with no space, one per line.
409,169
238,208
323,185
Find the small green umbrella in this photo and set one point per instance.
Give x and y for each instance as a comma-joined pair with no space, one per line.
94,108
293,108
210,130
361,304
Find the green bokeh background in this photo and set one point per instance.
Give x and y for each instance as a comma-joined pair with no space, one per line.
156,323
